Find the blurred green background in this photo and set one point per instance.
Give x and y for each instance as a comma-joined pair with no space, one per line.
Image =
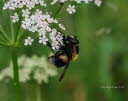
101,71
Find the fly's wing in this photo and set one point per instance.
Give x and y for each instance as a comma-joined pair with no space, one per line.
64,71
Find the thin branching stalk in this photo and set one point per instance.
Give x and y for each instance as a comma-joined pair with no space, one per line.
19,35
3,33
58,10
19,27
3,44
12,27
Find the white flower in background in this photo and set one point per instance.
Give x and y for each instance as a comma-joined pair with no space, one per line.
40,75
34,68
15,18
28,41
98,2
5,73
71,9
24,74
103,31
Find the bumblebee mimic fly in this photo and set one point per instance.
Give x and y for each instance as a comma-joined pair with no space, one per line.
65,54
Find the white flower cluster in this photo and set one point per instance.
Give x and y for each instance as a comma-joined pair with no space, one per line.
35,68
78,1
38,22
35,22
56,38
13,4
71,8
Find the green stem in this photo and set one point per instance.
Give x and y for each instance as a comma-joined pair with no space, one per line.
17,90
38,93
15,67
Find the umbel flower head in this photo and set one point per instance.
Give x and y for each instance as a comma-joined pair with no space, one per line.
34,68
41,23
34,20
